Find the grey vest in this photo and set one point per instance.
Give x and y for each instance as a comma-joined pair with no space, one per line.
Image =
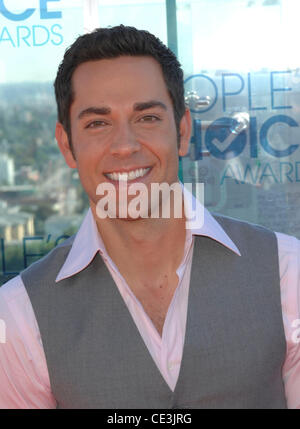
234,343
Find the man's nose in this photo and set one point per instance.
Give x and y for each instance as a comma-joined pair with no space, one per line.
124,141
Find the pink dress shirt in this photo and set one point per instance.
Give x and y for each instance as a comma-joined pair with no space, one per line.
24,378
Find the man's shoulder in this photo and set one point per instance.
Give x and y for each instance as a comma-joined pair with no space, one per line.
50,264
286,242
239,224
246,234
11,291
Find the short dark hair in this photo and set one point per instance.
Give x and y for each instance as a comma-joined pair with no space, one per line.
113,42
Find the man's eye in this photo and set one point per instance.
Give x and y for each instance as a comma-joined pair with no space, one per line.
96,124
150,118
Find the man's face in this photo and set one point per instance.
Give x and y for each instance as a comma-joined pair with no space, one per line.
122,121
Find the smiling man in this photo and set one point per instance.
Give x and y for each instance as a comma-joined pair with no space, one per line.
130,130
142,312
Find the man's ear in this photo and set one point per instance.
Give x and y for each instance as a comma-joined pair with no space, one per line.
185,132
64,145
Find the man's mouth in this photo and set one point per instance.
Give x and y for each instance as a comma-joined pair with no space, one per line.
128,175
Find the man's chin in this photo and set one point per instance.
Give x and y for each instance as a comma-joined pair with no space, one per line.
127,216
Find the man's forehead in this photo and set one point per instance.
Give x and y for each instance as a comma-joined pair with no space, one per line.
136,79
121,64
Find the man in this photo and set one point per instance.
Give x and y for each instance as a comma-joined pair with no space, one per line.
141,312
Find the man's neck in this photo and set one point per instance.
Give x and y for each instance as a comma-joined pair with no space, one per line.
144,248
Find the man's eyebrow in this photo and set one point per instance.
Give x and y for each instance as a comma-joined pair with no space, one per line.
94,111
138,107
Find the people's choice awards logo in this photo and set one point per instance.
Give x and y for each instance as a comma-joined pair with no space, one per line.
30,26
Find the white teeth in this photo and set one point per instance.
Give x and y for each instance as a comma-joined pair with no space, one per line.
128,176
131,175
122,176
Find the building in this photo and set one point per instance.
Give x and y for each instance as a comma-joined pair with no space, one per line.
14,224
7,170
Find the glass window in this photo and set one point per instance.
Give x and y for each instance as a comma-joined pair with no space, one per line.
40,198
143,14
242,84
